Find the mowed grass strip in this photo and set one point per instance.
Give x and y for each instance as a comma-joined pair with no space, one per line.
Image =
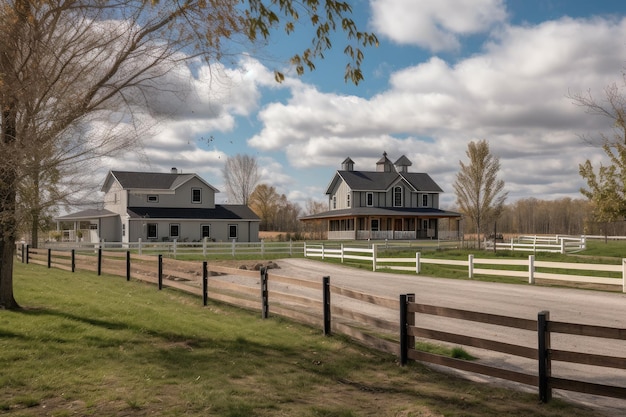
88,345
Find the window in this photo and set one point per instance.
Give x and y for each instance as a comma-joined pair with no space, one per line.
375,225
153,198
174,230
206,230
123,230
152,231
397,196
232,231
196,195
369,197
334,201
425,224
348,200
425,200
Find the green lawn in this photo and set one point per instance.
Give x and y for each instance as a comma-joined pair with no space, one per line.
101,346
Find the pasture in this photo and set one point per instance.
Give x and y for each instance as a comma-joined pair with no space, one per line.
97,345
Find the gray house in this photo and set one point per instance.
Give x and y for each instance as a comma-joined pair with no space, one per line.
155,206
388,203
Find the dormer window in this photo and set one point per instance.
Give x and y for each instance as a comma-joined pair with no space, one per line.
348,200
369,199
397,196
334,202
153,198
425,200
196,195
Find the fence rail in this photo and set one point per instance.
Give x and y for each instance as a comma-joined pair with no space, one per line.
553,271
554,244
367,318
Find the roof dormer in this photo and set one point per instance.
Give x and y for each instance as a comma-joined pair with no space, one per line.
384,164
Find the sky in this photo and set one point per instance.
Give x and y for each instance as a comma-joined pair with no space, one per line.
445,73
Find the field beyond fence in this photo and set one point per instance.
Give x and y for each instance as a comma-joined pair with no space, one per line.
383,323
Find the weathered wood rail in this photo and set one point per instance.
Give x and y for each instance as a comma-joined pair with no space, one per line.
363,317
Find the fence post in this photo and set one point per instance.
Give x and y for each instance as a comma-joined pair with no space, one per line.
545,367
49,258
531,269
233,248
290,247
73,260
27,250
139,246
264,294
205,284
23,260
204,241
174,247
326,300
127,265
322,251
404,345
374,256
342,253
418,266
562,245
99,261
623,274
304,249
470,266
262,247
160,272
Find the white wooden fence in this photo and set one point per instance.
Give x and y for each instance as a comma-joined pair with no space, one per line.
524,268
556,244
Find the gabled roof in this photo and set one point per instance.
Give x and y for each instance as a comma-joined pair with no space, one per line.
382,181
87,214
423,212
130,180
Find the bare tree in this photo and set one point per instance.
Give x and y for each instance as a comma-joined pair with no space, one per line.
264,201
241,175
480,194
66,63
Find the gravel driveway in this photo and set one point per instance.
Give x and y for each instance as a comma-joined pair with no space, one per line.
524,301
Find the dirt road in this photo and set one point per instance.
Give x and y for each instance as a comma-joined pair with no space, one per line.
524,301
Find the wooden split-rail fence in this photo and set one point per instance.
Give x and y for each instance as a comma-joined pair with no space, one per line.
386,324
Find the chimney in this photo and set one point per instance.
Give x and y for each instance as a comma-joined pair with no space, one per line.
174,170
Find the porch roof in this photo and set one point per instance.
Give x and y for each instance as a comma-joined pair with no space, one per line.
220,212
382,212
87,215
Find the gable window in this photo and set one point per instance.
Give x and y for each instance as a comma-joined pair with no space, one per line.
348,200
196,195
174,230
334,201
206,230
152,231
369,199
397,196
153,198
232,231
425,200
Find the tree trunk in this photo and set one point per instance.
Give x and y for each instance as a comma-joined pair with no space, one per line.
8,177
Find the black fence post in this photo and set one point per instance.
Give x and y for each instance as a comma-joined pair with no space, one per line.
265,305
545,367
99,261
23,259
326,301
127,265
410,322
27,250
160,274
205,284
404,345
49,258
73,261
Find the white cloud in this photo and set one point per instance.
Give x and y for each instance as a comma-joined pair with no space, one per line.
435,25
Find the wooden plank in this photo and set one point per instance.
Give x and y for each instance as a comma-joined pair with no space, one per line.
296,299
487,261
366,339
516,350
368,298
588,359
299,316
236,288
578,278
235,301
588,388
501,272
475,367
233,271
366,319
578,266
517,323
316,285
587,330
443,261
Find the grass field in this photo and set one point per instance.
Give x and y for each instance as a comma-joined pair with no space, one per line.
89,345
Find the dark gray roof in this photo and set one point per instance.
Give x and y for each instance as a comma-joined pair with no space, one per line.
382,181
403,161
386,211
87,214
130,180
220,212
